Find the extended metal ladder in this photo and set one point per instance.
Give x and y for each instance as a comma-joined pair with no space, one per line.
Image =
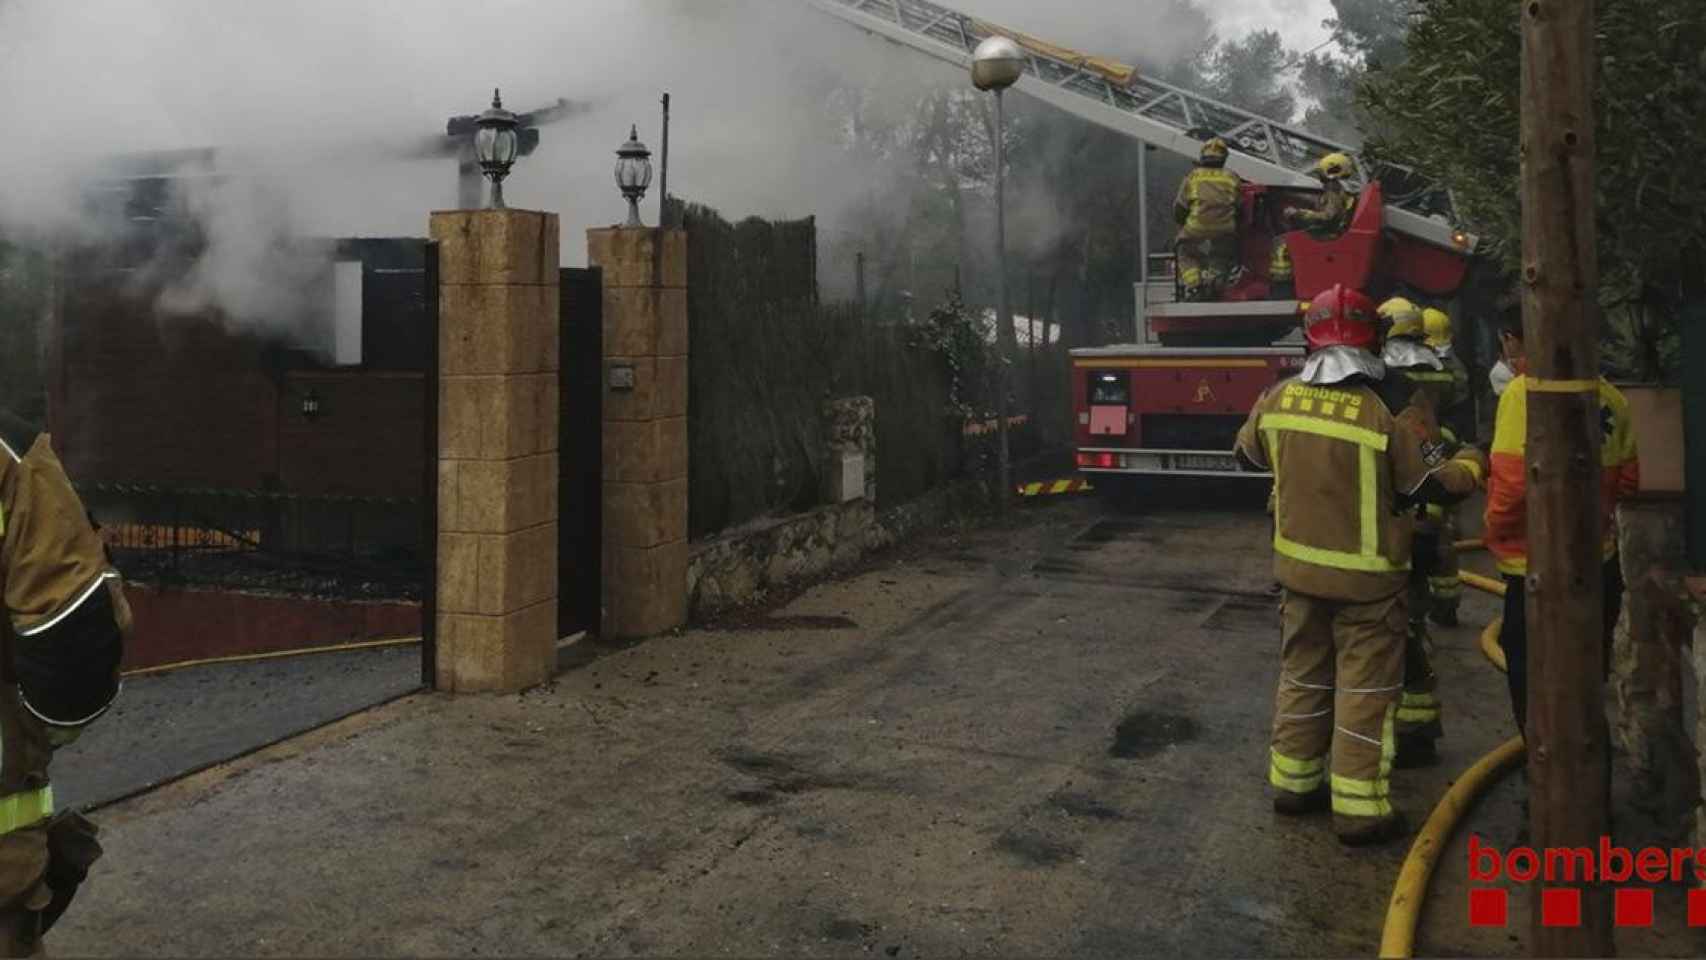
1157,113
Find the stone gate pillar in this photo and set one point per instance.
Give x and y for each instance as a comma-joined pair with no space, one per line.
497,449
645,428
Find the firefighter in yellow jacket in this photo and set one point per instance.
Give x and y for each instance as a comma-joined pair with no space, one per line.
1333,211
1345,469
1418,384
59,671
1457,423
1207,213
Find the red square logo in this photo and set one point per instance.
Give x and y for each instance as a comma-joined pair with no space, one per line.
1697,908
1634,908
1560,907
1491,908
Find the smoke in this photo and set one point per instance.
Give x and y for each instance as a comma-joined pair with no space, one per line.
323,104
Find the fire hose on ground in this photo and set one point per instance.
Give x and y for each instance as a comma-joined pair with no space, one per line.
1398,939
273,655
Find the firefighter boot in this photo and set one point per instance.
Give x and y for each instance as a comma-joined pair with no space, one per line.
1383,830
1289,804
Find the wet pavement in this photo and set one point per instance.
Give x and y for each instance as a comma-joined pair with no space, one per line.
1042,740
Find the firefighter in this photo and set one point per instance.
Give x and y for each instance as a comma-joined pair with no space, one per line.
1207,213
1457,423
63,640
1332,213
1416,381
1343,465
1507,505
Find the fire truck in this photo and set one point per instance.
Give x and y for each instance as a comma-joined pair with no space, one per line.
1170,403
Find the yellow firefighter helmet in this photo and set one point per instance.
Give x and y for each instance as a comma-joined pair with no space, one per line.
1333,166
1437,323
1403,318
1214,152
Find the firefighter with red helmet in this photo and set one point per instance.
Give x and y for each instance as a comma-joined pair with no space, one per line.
1344,467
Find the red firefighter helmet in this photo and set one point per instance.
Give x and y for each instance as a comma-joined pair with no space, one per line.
1340,317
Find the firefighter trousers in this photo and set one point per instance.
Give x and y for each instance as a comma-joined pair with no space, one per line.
1342,667
1419,706
1445,590
23,890
1205,264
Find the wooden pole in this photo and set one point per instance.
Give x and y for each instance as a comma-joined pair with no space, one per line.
1569,757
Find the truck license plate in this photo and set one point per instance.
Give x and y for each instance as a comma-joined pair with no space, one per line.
1215,462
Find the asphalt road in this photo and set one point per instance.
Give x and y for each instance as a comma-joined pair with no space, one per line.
1048,740
165,725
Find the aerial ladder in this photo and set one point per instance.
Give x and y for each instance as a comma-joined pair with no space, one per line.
1162,115
1171,403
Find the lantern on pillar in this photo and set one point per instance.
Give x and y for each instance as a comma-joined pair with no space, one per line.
495,146
633,174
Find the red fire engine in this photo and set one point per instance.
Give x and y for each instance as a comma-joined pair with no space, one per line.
1171,403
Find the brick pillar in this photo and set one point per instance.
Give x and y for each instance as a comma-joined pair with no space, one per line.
645,428
497,449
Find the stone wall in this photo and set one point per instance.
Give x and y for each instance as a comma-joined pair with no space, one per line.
751,564
1647,670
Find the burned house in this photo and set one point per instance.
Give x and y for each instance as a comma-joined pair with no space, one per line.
153,379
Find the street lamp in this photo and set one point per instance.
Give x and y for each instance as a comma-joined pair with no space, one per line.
997,64
495,146
633,174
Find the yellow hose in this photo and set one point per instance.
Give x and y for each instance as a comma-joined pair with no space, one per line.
1490,648
1486,584
275,655
1399,938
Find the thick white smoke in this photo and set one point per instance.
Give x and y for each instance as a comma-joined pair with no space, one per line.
323,100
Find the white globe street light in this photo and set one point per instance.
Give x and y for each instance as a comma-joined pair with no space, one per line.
997,64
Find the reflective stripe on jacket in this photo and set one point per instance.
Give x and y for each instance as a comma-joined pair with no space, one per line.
1337,474
1507,486
1207,205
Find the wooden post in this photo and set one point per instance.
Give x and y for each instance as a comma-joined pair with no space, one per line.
1569,757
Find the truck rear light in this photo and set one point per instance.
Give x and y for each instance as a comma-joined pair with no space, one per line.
1097,461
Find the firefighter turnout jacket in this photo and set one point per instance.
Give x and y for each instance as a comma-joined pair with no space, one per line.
1507,484
1207,204
1332,212
1353,472
59,671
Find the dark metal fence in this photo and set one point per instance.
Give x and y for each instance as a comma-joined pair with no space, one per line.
344,547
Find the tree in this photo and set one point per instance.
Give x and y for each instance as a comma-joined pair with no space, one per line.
1249,73
1369,35
1453,112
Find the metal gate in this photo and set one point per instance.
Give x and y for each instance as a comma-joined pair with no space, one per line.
580,494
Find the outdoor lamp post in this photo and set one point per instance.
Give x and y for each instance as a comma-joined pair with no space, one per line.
997,64
633,174
495,146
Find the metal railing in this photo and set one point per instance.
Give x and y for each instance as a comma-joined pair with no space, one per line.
335,546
